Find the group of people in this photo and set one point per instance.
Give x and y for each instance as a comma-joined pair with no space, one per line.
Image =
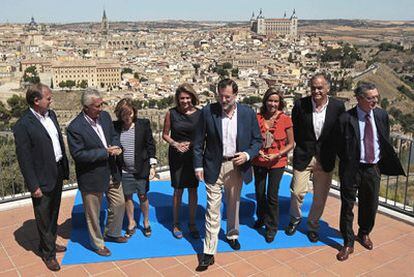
222,144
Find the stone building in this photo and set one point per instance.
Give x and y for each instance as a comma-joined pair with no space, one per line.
274,26
98,74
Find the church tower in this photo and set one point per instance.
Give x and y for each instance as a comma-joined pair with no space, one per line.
104,24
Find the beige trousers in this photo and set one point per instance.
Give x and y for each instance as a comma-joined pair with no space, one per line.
92,202
229,180
300,186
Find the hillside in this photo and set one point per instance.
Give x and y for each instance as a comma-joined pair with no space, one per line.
387,83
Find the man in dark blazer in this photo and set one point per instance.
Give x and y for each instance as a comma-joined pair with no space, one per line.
365,152
41,154
226,140
93,143
313,119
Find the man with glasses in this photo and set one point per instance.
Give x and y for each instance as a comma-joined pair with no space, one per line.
365,153
313,119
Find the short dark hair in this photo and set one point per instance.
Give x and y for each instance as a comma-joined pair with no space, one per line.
319,75
34,92
363,87
187,88
268,93
123,104
227,82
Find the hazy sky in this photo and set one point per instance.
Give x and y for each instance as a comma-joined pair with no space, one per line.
62,11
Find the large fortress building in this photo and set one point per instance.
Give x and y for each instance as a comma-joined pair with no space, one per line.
274,26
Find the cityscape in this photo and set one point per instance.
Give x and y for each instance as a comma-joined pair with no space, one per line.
146,60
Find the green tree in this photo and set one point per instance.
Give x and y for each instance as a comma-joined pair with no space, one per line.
5,116
11,180
136,76
62,84
83,84
227,66
384,103
126,70
30,75
235,72
17,105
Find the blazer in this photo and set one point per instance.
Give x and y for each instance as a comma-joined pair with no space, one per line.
306,144
349,148
144,147
94,167
35,152
208,142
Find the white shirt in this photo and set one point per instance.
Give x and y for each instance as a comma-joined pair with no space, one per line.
50,127
97,127
361,122
229,131
318,118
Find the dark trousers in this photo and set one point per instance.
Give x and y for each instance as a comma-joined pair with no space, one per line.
46,211
268,200
367,183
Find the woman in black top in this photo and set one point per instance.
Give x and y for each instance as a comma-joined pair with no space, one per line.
137,162
179,126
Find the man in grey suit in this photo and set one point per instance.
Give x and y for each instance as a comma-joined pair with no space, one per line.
93,143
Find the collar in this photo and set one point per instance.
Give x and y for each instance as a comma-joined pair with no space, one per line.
224,114
323,107
90,120
38,115
361,114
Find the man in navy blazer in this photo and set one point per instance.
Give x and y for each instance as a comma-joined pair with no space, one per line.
365,152
226,140
41,155
93,143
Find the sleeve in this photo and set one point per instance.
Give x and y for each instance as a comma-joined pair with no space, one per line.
149,141
24,157
79,151
199,140
256,137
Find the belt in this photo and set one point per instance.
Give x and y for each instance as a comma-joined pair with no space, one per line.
364,165
227,159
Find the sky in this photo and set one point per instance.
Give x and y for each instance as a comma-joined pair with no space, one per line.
65,11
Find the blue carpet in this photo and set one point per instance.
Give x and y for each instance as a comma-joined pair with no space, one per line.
162,243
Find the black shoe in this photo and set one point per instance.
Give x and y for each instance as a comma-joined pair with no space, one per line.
291,228
234,243
258,224
313,236
51,264
205,261
270,236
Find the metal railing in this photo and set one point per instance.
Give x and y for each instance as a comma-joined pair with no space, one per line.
396,192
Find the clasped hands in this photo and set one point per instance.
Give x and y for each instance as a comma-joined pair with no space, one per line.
182,147
269,157
114,150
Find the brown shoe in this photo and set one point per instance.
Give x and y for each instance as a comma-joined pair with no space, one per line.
103,252
51,264
365,241
116,239
60,248
344,253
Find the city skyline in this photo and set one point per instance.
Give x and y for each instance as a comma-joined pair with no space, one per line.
49,11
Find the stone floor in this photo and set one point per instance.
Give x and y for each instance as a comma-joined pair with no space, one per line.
393,253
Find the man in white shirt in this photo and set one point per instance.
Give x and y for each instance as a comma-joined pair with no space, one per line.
313,120
93,144
41,154
226,140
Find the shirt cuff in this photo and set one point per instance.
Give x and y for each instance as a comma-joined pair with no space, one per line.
247,156
153,161
198,169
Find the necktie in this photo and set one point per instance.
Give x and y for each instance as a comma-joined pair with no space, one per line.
369,140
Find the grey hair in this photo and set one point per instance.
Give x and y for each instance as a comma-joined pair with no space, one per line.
364,87
88,94
320,75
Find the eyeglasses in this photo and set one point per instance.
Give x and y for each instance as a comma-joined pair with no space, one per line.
371,98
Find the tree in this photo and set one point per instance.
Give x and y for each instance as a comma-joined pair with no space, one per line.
5,116
83,84
11,180
136,76
227,66
17,105
30,75
70,84
126,70
235,72
384,103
